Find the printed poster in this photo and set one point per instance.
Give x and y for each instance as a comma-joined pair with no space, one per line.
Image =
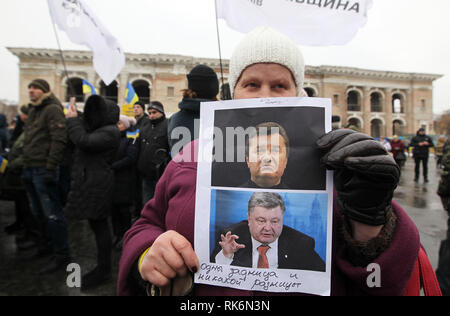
263,218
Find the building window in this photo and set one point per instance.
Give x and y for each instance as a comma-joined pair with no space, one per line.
142,89
397,104
110,92
170,92
74,87
354,101
376,127
399,128
423,105
336,99
375,102
354,123
310,91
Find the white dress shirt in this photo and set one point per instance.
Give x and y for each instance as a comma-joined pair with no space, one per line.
272,255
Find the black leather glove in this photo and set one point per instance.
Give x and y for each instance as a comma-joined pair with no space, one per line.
50,177
365,175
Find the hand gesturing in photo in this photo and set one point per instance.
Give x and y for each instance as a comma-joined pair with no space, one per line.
229,245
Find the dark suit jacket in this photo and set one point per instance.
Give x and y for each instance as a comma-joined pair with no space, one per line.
295,250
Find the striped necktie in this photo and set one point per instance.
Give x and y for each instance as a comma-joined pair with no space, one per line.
263,262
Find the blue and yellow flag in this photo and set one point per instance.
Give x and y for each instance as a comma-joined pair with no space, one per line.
3,164
130,95
133,135
88,88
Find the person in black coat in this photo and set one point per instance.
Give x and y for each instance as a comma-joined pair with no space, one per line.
13,189
284,247
141,120
18,129
421,144
154,150
3,133
203,86
96,139
124,180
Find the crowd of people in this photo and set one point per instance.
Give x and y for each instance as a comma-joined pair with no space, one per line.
419,149
99,166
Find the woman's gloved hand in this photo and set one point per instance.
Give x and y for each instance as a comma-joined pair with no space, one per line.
365,175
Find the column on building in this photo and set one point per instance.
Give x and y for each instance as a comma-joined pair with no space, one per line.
59,85
366,109
409,109
388,108
122,81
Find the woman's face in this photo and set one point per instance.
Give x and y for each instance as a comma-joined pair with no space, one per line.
266,80
121,126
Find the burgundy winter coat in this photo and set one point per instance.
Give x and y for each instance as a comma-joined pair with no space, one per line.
173,208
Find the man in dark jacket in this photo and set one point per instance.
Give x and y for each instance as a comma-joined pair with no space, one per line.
44,144
203,86
421,144
154,150
140,116
141,120
12,187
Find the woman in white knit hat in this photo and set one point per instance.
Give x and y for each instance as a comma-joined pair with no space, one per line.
158,248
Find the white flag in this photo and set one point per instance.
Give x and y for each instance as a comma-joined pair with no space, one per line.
307,22
84,28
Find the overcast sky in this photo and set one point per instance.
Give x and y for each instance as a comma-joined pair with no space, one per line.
401,35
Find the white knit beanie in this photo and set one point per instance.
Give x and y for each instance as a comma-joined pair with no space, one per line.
265,45
127,121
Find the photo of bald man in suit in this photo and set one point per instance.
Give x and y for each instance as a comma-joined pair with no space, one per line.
264,242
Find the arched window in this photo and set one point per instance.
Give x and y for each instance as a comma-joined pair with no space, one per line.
375,102
142,89
110,92
225,93
397,104
354,122
354,101
398,128
376,128
74,87
311,93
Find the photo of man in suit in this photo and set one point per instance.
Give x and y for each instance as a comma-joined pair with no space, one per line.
266,154
264,242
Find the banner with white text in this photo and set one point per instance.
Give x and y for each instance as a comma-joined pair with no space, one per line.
307,22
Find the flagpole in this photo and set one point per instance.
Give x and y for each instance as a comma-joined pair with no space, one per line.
72,91
220,50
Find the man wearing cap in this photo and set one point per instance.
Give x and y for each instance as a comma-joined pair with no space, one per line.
12,184
44,143
203,86
421,144
154,149
140,115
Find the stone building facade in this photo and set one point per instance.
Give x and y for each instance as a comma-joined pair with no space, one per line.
380,103
9,110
